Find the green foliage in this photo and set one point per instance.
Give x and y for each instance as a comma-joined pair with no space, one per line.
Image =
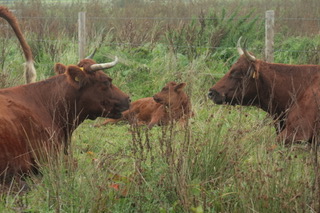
298,50
225,160
211,32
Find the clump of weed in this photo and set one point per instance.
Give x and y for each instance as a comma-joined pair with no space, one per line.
209,32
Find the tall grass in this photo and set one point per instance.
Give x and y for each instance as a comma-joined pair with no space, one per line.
225,160
204,167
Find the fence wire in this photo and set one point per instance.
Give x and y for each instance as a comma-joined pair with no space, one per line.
93,19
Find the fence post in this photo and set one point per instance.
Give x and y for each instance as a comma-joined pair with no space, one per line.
269,35
82,34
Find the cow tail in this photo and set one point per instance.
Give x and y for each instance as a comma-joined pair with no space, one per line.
30,71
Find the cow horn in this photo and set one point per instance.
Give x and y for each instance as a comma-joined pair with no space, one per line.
96,67
240,51
92,54
247,54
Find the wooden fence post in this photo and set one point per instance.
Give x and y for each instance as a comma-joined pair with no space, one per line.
82,34
269,35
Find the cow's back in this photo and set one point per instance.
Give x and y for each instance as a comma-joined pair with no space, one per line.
142,110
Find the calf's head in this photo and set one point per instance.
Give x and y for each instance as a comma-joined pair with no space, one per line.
170,94
93,90
239,85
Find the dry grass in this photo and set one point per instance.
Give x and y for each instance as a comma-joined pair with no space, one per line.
136,23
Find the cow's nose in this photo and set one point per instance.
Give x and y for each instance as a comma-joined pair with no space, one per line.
156,99
212,93
215,96
125,105
128,102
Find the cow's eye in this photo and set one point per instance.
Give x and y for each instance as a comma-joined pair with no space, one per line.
164,89
236,74
107,83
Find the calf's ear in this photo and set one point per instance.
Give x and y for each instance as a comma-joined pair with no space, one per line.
180,87
60,68
76,76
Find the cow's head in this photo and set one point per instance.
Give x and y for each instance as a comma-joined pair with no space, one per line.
170,94
238,86
95,94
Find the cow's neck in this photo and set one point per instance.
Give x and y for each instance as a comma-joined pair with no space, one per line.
56,99
279,85
180,107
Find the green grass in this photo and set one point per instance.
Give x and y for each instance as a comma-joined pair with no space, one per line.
226,160
221,167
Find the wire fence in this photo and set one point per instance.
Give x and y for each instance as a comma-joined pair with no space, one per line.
9,2
93,20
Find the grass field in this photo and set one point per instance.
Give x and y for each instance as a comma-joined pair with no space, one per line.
225,160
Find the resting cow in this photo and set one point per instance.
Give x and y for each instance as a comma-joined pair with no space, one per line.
39,118
171,103
29,70
289,93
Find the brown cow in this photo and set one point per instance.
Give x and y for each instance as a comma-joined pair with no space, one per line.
171,103
289,93
40,117
29,70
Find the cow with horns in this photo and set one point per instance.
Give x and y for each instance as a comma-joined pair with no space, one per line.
29,70
289,93
37,119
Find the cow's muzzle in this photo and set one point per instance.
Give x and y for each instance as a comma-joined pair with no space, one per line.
157,99
118,108
125,105
216,97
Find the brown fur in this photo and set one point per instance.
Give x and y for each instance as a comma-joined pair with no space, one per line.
30,72
171,103
38,119
289,93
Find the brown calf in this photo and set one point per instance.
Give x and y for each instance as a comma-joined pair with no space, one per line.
170,104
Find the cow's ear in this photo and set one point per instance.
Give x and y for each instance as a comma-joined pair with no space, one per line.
75,76
255,70
60,68
180,87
